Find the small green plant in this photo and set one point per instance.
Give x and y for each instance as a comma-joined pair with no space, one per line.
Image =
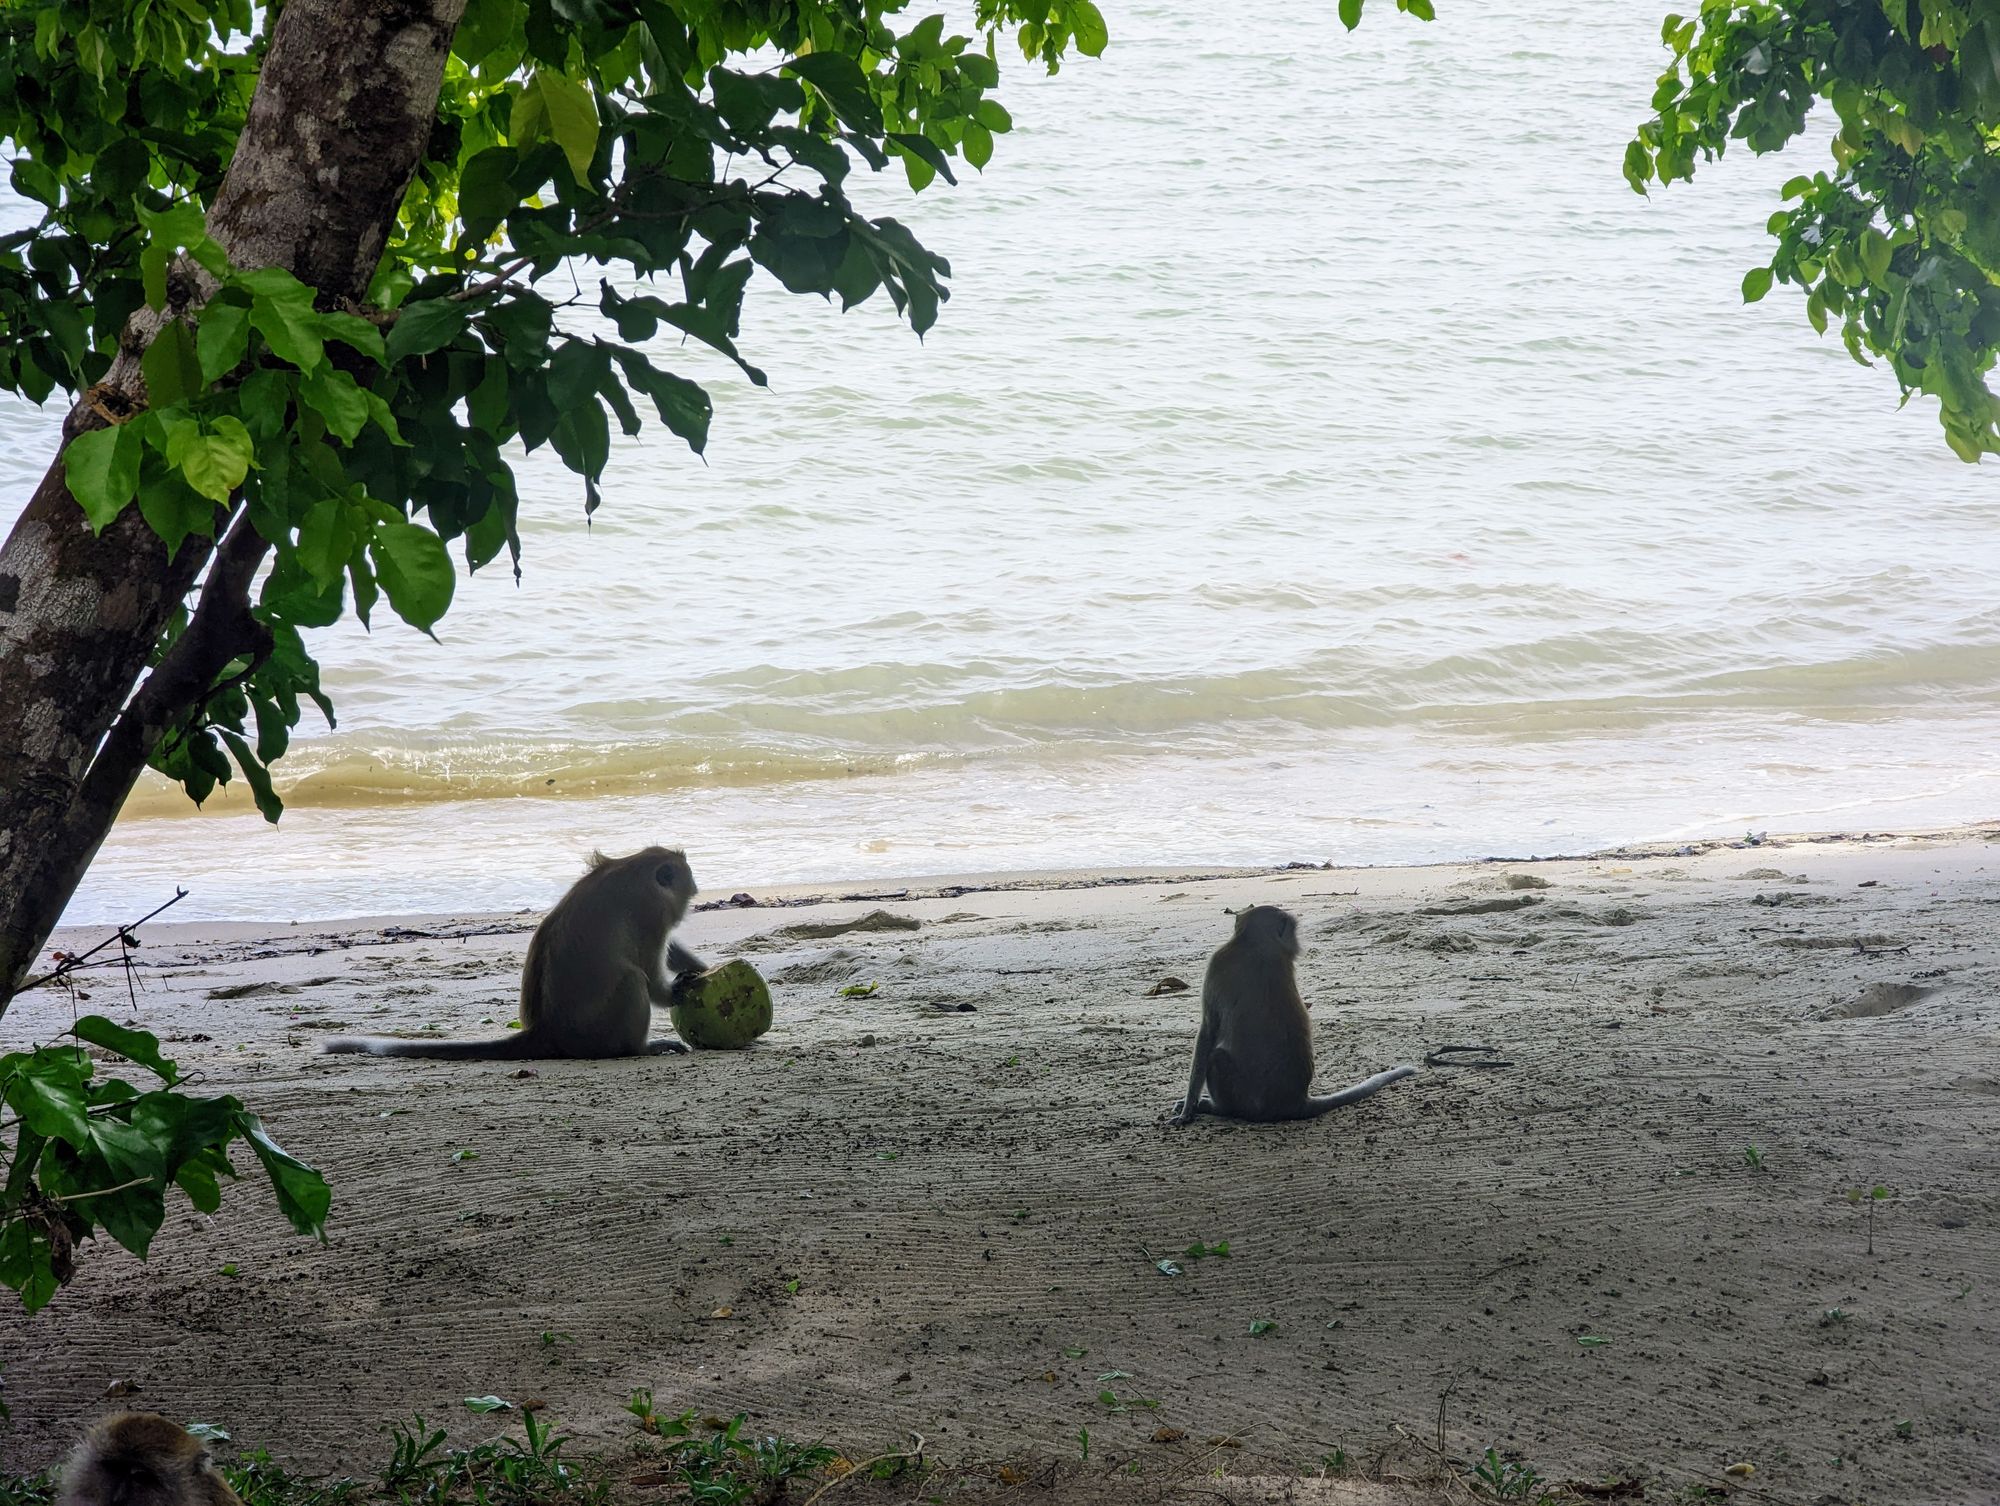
859,990
1335,1464
260,1481
1200,1251
1904,1427
27,1490
1261,1326
726,1468
1870,1197
1753,1158
1083,1440
1508,1480
501,1472
1831,1316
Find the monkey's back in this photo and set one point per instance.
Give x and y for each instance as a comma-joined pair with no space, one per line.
1263,1058
603,919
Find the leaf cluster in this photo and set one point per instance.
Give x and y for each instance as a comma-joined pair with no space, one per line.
81,1155
423,1471
727,1466
670,152
1899,240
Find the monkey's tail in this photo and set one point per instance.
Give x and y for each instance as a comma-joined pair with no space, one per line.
1368,1087
512,1048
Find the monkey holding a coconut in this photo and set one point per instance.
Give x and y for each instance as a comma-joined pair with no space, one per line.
597,968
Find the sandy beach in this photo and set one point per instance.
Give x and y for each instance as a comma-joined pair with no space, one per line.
1628,1254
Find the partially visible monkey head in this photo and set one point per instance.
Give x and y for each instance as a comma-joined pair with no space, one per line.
663,869
1270,926
142,1459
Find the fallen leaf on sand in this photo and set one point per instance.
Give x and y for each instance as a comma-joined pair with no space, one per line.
1167,986
723,1312
1168,1435
1741,1471
1010,1475
1223,1440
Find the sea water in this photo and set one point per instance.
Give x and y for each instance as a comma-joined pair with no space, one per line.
1324,455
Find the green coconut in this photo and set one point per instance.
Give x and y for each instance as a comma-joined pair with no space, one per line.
723,1009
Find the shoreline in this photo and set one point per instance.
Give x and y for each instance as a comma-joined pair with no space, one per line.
1059,880
938,1208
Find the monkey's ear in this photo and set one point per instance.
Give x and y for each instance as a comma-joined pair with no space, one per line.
664,875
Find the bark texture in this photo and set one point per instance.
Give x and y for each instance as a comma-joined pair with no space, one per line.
343,108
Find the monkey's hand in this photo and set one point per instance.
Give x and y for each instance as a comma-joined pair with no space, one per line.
681,961
1180,1113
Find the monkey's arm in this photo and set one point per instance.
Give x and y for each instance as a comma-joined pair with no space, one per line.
1368,1087
681,960
1189,1108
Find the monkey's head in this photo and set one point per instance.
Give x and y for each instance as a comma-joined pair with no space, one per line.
143,1459
1269,926
663,871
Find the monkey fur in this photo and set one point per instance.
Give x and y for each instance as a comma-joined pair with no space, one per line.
596,969
1254,1052
142,1459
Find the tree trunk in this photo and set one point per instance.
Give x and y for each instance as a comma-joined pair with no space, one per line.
343,109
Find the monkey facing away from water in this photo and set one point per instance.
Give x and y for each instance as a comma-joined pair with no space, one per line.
596,969
142,1459
1254,1052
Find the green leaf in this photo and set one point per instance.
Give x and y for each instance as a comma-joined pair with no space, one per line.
281,307
1756,283
1638,165
485,25
50,1105
424,326
354,332
415,571
682,405
101,468
224,338
1875,255
303,1196
254,774
1087,22
134,1045
924,150
337,398
173,509
172,367
572,117
214,459
977,144
840,79
1350,13
487,1404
